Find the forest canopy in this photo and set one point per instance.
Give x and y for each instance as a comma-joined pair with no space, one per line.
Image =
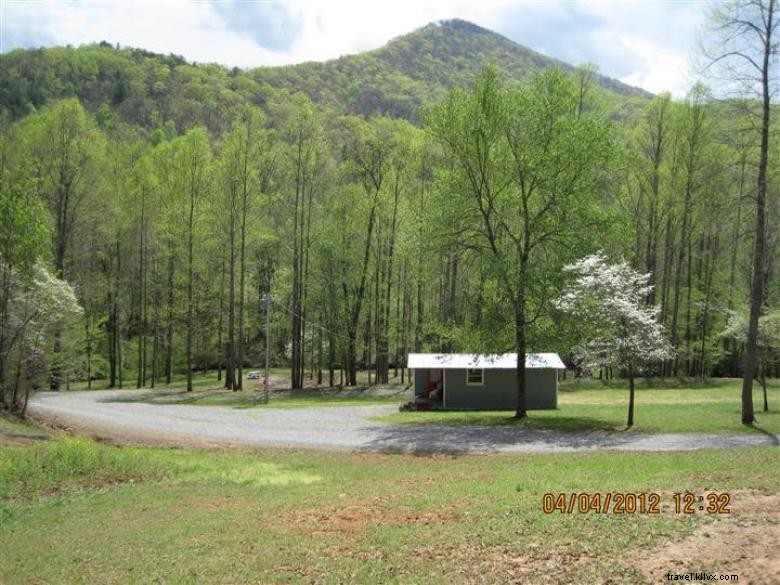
405,199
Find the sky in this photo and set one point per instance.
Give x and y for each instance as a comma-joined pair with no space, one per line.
640,42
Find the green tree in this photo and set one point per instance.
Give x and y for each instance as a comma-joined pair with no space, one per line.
64,144
526,175
185,180
609,301
744,51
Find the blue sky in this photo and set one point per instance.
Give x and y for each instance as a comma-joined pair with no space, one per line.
644,43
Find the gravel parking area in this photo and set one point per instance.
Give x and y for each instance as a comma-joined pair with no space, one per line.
96,414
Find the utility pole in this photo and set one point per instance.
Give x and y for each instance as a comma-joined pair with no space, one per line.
266,303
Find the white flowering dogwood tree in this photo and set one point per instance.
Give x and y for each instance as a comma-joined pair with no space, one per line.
608,299
39,304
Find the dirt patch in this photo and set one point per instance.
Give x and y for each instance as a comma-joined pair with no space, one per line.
743,543
476,563
356,518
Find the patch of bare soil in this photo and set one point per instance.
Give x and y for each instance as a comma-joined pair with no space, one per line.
356,517
743,543
477,563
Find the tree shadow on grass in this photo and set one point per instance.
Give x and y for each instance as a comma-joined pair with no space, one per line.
426,439
538,421
771,436
572,424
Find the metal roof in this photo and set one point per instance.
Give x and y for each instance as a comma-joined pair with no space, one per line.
504,361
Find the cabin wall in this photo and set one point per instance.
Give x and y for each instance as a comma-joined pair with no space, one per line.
420,383
499,390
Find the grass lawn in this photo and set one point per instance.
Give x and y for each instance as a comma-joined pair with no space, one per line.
252,399
208,391
711,408
280,379
76,511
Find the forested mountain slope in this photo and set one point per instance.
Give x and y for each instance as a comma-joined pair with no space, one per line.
165,200
416,68
146,88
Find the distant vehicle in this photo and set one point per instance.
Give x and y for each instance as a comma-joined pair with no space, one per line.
255,375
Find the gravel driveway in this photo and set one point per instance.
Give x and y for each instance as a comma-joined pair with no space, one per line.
330,427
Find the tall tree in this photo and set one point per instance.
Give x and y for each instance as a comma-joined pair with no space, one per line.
745,50
609,300
64,142
23,237
305,154
367,160
184,166
528,162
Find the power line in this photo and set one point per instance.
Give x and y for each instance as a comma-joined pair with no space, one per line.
312,323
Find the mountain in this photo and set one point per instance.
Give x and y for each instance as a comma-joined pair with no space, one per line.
147,89
416,68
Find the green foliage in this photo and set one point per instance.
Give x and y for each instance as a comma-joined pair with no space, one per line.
70,464
523,189
160,155
396,80
23,223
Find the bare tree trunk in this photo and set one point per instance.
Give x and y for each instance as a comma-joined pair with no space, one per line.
684,237
631,374
520,341
667,267
358,295
383,349
190,292
110,338
142,295
88,339
319,353
5,294
712,241
120,358
405,318
759,249
398,327
735,232
230,357
155,341
688,311
169,334
242,261
220,349
763,384
117,324
295,365
419,322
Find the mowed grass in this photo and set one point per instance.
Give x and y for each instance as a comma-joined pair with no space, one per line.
209,381
254,399
209,391
75,511
663,408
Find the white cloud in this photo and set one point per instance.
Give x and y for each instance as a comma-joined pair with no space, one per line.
662,70
171,26
642,43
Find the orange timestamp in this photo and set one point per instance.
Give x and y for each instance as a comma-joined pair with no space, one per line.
633,503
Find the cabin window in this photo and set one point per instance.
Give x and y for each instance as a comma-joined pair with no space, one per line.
474,377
